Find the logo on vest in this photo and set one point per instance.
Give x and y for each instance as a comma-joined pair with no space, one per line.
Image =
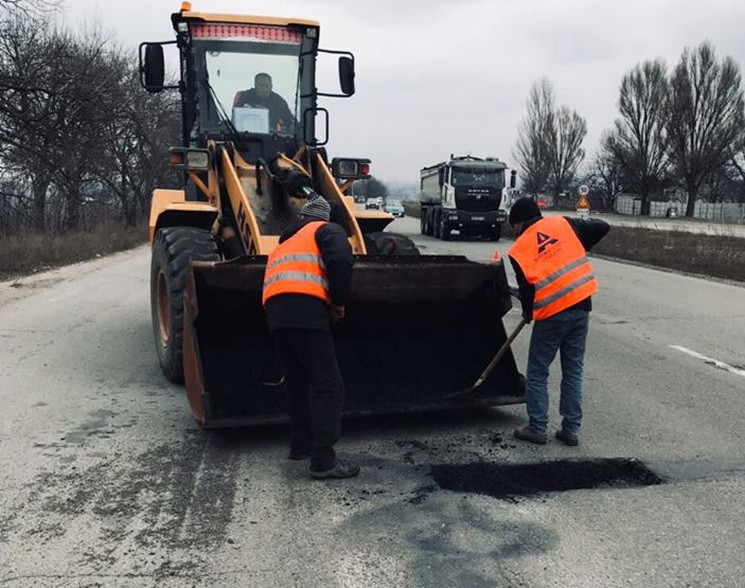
544,241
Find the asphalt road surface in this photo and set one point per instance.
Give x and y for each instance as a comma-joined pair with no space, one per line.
107,481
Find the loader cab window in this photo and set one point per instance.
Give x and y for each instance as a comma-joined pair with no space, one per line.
482,178
250,79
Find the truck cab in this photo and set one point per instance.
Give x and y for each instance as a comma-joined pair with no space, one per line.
463,194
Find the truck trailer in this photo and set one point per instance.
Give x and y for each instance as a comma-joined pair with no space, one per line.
463,194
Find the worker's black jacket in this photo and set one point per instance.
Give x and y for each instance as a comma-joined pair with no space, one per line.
589,232
300,311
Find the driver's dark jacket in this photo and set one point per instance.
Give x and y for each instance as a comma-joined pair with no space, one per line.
279,112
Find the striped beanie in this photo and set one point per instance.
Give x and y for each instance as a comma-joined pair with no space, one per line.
316,207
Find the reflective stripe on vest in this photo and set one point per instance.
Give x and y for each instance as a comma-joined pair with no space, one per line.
296,266
553,260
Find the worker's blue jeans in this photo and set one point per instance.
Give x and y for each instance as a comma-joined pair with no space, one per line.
565,332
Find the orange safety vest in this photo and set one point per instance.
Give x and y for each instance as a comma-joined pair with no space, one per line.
296,267
554,261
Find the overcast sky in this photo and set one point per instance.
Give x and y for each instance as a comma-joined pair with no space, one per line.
436,77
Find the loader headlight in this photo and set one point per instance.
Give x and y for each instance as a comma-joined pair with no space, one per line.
350,169
190,159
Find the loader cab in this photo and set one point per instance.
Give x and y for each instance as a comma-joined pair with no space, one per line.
220,57
219,66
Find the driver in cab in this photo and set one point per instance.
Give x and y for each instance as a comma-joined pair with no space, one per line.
261,96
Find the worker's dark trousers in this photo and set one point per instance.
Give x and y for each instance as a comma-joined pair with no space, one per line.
315,391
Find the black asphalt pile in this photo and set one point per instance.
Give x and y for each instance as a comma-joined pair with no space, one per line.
513,480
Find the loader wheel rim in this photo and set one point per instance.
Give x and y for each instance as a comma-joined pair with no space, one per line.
164,309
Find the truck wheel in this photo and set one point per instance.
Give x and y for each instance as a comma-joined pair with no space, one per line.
496,233
437,229
430,222
444,231
174,248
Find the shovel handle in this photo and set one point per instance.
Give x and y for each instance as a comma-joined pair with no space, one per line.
485,374
500,353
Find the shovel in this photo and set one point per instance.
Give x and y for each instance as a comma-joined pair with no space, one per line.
492,363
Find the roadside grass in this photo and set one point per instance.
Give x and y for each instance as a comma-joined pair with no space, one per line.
29,253
719,256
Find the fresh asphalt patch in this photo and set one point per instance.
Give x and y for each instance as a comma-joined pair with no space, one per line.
517,480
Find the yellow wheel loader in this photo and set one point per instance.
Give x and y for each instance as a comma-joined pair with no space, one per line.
417,327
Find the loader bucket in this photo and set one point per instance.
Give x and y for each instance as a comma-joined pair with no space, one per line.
417,328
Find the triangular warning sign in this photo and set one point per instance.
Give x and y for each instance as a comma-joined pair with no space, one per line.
583,202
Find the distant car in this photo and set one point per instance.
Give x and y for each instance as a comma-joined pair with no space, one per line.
372,204
395,208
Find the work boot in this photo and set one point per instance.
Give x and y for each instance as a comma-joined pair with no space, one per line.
341,469
528,434
298,454
567,438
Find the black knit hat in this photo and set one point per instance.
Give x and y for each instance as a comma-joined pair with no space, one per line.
316,207
524,209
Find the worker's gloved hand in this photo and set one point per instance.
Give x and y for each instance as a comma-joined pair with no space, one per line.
336,312
307,192
292,180
527,318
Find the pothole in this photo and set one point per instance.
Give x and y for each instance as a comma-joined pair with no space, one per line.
508,480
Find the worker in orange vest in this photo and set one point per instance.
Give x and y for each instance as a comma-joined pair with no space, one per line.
556,282
307,280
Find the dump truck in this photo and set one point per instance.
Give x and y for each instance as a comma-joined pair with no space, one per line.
463,194
244,181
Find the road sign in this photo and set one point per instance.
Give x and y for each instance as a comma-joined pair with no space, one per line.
583,205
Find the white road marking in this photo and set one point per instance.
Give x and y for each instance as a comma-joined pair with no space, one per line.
710,360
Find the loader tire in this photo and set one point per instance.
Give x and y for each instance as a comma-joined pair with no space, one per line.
390,244
174,249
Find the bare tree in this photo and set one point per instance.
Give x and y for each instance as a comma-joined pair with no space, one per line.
549,143
84,85
565,153
78,138
135,157
736,166
705,117
532,147
607,175
28,8
28,94
638,142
